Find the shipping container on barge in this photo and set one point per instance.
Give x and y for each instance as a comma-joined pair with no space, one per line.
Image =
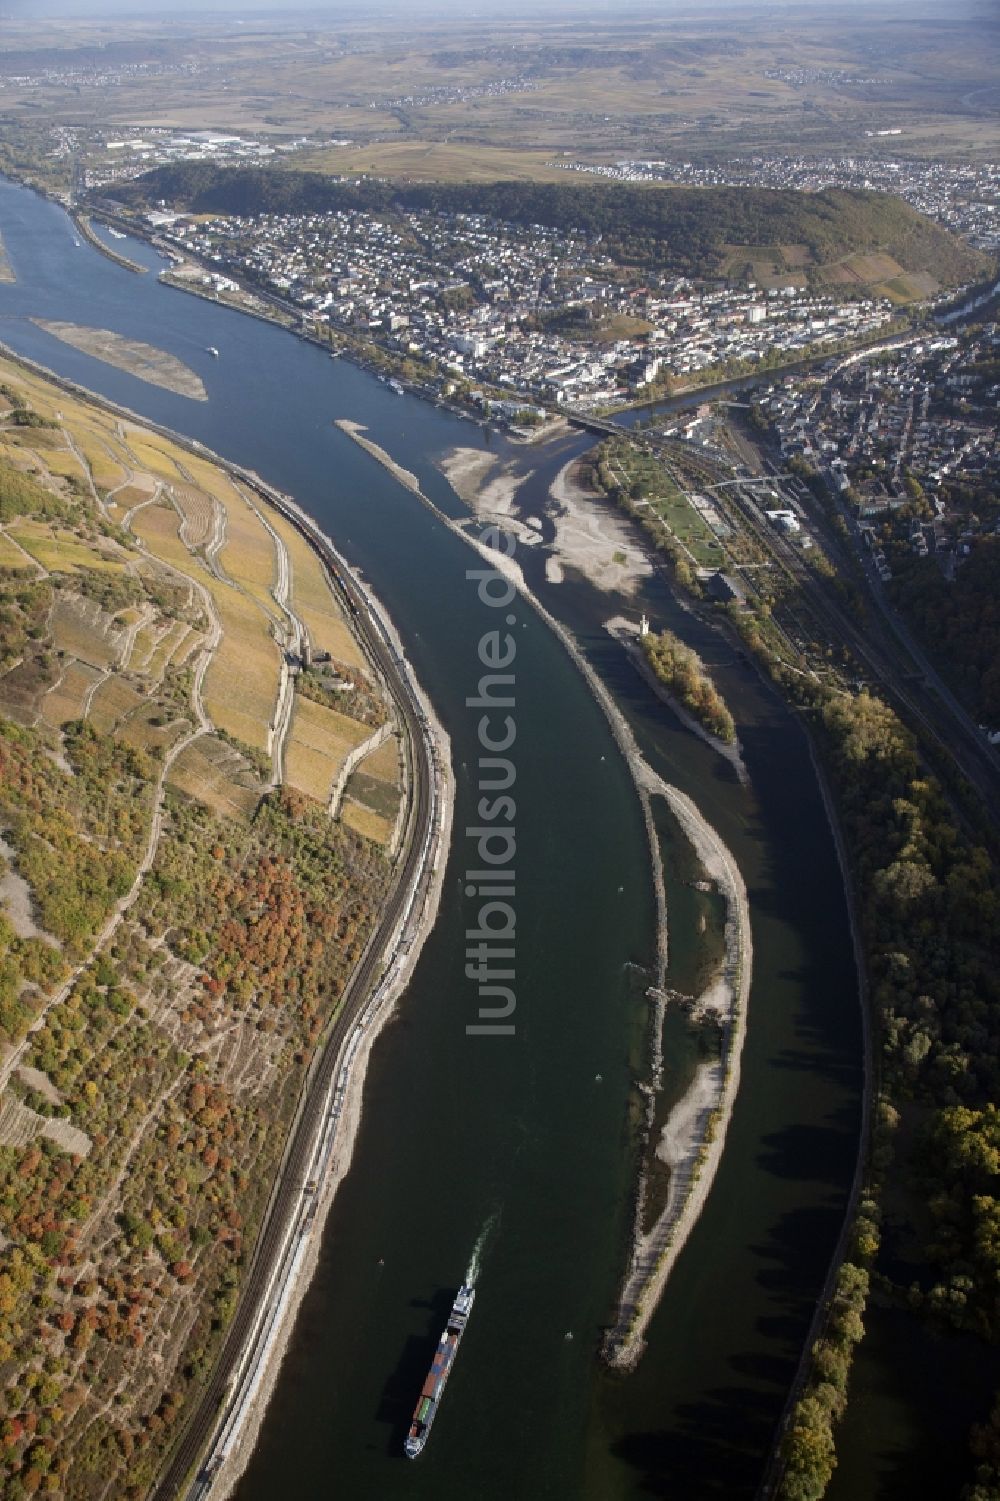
444,1358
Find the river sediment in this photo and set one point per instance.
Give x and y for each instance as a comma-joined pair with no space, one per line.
144,361
694,1135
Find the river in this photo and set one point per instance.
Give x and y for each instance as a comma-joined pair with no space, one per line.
459,1131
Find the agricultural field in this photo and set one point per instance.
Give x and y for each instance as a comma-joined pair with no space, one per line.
198,510
129,495
319,743
143,1118
372,795
12,555
67,699
313,601
150,456
103,456
383,763
366,822
881,275
377,795
59,551
149,729
241,685
433,161
173,645
62,463
113,701
768,265
218,776
157,527
81,629
249,553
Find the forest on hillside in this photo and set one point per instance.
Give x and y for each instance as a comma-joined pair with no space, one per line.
960,622
677,229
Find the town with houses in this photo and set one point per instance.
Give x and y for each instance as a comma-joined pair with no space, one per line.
91,76
122,158
907,438
451,93
536,312
528,318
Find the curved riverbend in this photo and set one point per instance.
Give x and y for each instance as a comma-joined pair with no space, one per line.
452,1133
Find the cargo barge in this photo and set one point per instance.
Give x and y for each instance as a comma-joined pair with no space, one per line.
444,1358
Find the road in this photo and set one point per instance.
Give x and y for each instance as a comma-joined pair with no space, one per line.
413,875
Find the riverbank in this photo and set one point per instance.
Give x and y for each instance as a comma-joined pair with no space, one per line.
592,537
242,1443
823,1310
487,486
188,274
336,1128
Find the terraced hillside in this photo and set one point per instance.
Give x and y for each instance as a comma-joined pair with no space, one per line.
195,837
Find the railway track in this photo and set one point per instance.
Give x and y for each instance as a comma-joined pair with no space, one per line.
287,1194
881,657
896,675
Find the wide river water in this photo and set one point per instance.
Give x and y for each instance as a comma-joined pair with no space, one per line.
520,1133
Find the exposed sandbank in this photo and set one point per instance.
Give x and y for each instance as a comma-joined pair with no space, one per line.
693,1137
489,489
594,538
144,361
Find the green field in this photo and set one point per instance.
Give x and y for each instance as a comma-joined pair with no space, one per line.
57,551
668,502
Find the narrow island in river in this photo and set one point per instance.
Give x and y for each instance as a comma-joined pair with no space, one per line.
7,274
686,1148
217,822
672,677
683,673
144,361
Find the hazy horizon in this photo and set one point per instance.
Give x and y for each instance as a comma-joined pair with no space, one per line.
79,9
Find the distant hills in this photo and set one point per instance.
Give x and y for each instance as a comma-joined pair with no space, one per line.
844,237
